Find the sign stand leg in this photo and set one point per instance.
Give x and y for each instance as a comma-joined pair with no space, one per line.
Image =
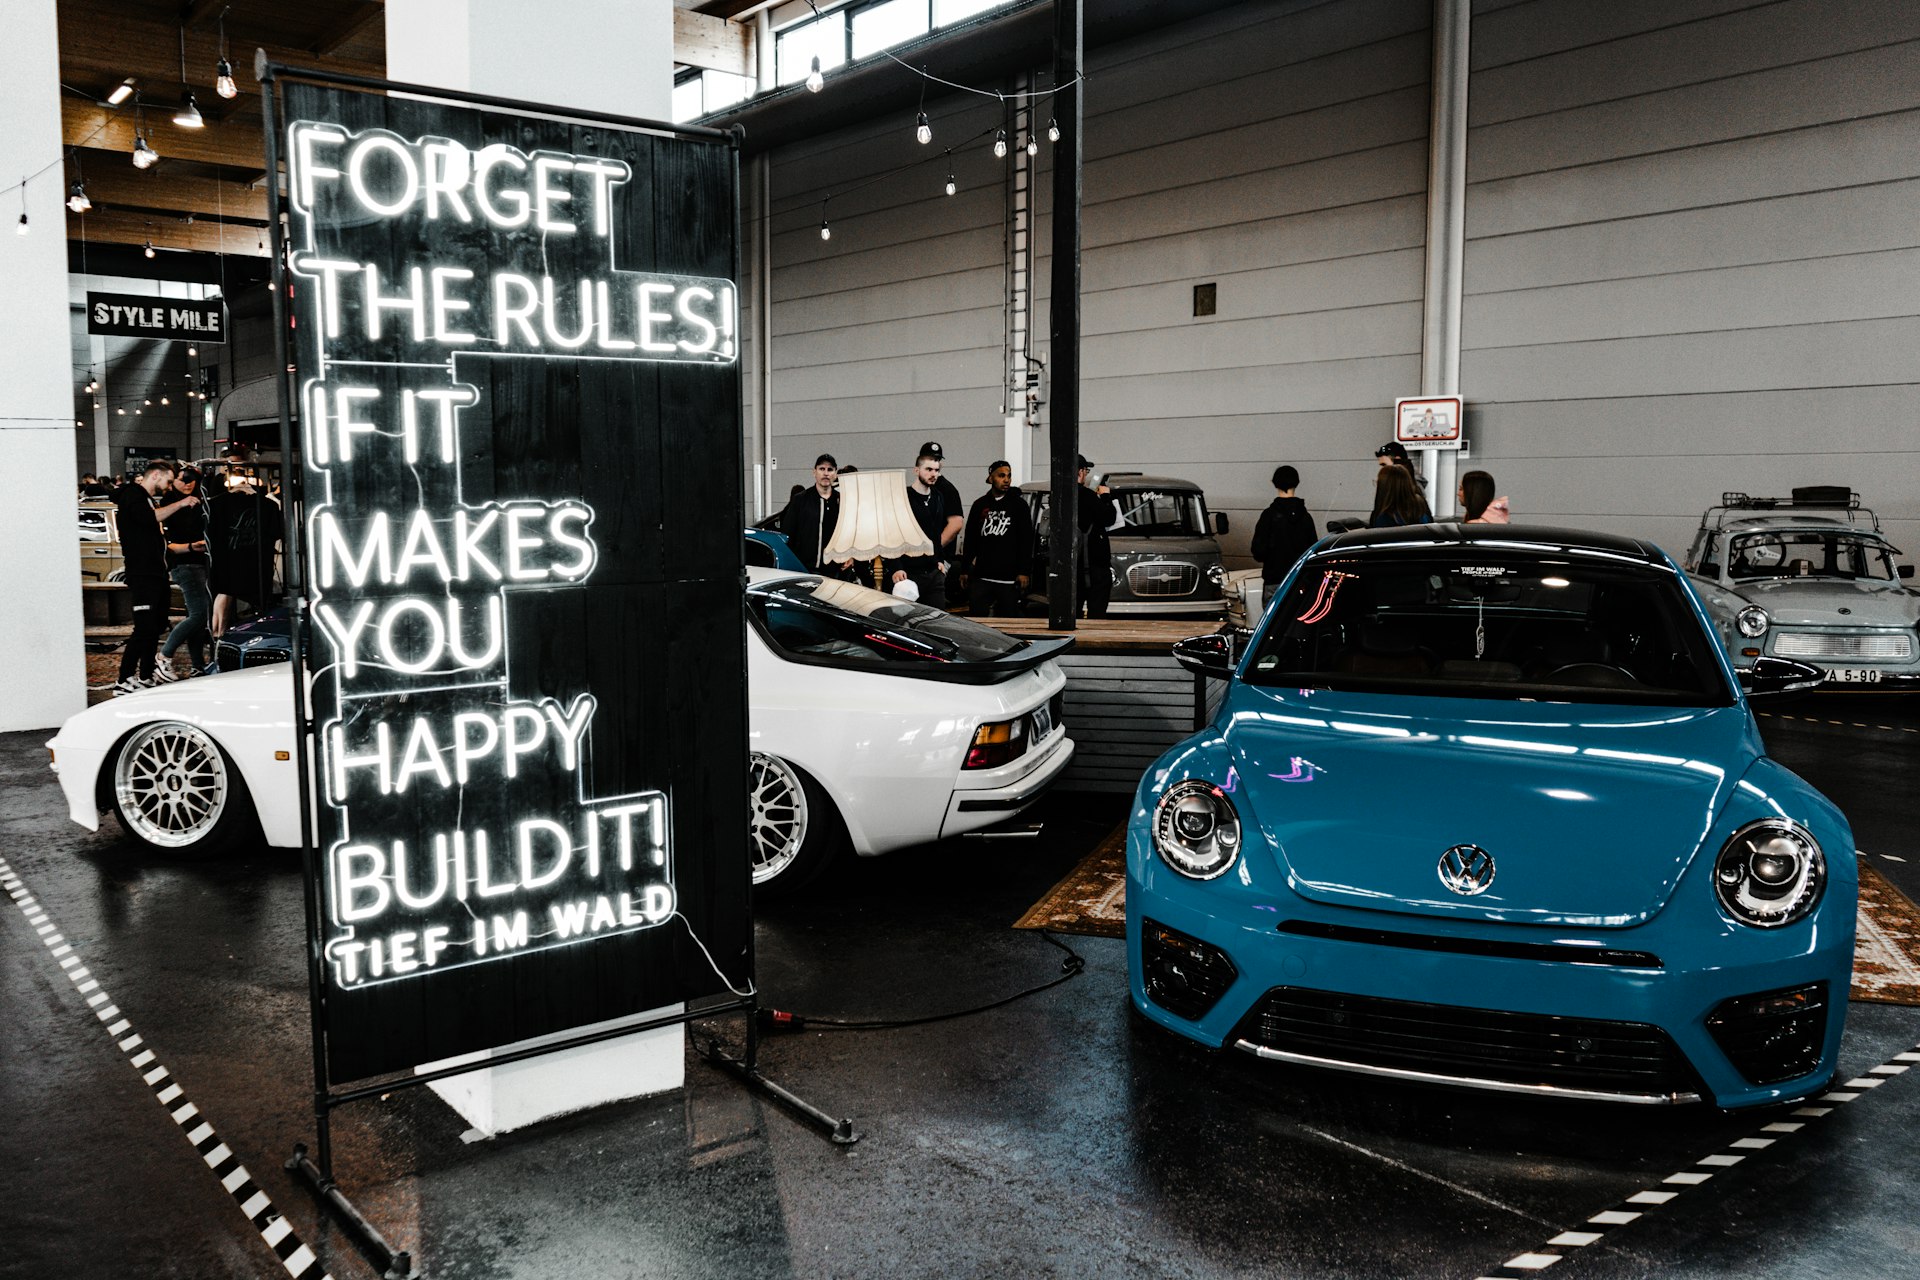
746,1069
393,1265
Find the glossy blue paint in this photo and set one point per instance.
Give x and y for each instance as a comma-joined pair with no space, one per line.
783,553
1603,819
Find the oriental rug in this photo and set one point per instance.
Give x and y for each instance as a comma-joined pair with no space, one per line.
1091,900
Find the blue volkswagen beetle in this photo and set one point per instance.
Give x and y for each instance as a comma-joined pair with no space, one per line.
1485,806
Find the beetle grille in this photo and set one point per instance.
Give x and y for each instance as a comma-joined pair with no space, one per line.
1482,1044
1828,644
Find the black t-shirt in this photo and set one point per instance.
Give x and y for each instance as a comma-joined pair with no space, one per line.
933,510
185,526
140,540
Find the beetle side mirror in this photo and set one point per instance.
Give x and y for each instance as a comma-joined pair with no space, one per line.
1770,675
1219,522
1210,656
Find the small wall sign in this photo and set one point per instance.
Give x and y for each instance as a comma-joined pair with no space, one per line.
1429,422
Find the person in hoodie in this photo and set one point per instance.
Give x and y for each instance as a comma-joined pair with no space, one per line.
810,518
999,547
1478,505
1284,532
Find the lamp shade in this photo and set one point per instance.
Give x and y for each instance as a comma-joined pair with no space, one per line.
876,519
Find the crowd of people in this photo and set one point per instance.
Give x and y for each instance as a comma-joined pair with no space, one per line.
990,567
216,542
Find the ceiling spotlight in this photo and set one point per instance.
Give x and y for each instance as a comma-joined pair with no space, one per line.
147,248
121,92
144,156
922,131
1053,130
78,201
188,116
223,82
815,81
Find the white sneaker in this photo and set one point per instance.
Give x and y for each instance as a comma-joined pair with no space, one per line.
132,684
163,672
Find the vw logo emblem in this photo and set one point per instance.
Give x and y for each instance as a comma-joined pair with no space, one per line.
1467,869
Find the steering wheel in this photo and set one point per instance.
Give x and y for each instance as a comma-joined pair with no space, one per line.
1588,669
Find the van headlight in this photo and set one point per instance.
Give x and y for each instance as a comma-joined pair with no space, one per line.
1196,830
1770,873
1752,622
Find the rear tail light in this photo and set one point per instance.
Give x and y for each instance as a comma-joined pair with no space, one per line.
996,743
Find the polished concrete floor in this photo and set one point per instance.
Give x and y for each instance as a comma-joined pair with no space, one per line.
1053,1137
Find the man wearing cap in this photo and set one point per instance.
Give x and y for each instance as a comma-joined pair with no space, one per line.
1096,515
1394,454
810,518
936,505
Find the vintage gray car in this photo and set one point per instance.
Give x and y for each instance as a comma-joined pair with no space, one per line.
1810,577
1164,543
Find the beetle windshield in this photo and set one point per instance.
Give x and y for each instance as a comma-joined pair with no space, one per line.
1810,553
1490,623
826,618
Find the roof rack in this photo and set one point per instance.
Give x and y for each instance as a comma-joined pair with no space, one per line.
1817,497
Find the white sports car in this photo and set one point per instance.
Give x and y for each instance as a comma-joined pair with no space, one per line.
876,724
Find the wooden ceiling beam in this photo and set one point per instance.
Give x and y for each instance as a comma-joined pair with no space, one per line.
238,141
350,25
101,43
112,226
122,184
198,12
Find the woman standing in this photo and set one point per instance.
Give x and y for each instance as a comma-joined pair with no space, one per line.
186,535
1396,501
1477,503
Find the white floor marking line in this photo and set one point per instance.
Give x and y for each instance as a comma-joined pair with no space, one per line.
1528,1264
1403,1167
254,1203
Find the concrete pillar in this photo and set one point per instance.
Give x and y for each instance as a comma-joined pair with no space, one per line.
1446,232
41,629
599,55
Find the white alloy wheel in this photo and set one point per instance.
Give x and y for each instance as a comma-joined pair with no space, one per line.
171,785
777,827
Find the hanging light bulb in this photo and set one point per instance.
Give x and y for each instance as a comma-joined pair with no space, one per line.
144,156
952,186
223,82
826,232
147,248
188,116
78,201
1053,129
121,410
922,131
22,229
1033,144
193,351
815,81
164,400
1000,144
146,402
92,384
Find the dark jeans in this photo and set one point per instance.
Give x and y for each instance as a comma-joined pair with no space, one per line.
192,629
924,572
993,599
150,600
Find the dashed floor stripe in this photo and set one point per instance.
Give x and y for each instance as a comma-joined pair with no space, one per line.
274,1230
1636,1206
1845,724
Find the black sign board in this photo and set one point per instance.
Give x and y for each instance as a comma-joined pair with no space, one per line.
134,315
520,429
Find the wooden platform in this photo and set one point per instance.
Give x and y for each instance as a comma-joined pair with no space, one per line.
1127,699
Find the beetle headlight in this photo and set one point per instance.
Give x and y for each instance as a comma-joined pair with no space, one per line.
1752,622
1770,873
1196,829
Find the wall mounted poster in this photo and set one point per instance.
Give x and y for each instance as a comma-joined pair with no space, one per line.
519,402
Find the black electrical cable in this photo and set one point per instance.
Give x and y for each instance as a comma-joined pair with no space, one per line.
780,1020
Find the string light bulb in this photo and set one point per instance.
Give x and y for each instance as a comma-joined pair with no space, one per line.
1000,144
815,81
193,351
164,400
147,248
78,201
22,228
1033,144
223,81
922,130
121,410
952,186
1053,129
144,156
826,232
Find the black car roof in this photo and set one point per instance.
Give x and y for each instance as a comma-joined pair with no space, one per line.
1453,533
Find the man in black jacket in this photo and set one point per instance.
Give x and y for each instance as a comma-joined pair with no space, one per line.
810,518
1096,515
1285,530
142,545
999,542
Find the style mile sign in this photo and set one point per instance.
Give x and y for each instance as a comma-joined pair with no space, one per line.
518,391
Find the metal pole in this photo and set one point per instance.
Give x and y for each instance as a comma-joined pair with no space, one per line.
1446,231
1064,418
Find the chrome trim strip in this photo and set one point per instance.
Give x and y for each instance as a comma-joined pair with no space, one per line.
1469,1082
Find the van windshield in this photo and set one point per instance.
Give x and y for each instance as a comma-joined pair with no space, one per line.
1480,623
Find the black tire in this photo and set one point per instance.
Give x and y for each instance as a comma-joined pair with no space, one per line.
176,792
794,832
